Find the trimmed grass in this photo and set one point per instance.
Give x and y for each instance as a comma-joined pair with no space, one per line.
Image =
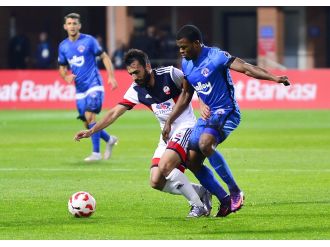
281,159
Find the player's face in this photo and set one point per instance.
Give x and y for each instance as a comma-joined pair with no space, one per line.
188,49
72,26
139,74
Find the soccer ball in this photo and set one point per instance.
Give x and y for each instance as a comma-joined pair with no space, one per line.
82,204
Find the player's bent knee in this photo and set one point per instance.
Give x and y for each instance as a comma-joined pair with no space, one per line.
206,148
156,184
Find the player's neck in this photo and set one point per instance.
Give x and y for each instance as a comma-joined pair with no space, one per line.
198,53
74,37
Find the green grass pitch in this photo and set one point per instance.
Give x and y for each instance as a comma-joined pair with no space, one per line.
281,159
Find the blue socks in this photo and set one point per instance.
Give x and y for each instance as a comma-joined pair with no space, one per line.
221,167
95,139
207,179
105,136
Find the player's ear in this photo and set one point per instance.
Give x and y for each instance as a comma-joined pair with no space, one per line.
148,66
64,27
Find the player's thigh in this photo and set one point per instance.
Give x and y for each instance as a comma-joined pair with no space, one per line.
169,161
195,135
221,125
94,101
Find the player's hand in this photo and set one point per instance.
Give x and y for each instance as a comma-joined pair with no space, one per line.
70,78
82,134
205,111
284,80
166,131
112,81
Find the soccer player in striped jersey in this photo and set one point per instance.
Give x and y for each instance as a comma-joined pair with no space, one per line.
158,89
207,71
78,52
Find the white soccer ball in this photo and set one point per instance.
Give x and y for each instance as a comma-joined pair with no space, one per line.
82,204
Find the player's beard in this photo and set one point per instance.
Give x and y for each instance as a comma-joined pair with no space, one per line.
145,81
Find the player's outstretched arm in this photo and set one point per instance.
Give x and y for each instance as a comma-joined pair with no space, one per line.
182,103
110,71
256,72
110,117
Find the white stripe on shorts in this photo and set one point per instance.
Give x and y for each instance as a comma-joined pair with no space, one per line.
92,89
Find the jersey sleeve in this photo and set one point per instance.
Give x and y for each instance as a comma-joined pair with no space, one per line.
177,76
130,98
96,47
61,57
222,59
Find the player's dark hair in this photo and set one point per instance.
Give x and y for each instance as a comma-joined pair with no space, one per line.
190,32
72,16
136,55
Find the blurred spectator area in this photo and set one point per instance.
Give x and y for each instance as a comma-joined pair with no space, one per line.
273,37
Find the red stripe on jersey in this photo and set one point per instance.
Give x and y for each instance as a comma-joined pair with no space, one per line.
127,103
177,147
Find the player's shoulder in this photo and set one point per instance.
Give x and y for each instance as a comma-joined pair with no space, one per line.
163,70
86,36
63,42
216,51
213,51
64,45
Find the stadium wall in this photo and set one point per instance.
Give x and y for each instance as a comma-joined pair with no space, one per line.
35,89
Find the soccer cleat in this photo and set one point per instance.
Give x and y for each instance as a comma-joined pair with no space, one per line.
207,201
224,209
93,157
196,212
237,200
108,147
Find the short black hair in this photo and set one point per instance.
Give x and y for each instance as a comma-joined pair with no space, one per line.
136,55
73,16
190,32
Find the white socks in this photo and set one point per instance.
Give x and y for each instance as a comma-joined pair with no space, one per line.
178,183
169,187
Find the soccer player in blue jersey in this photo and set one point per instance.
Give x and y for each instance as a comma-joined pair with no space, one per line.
207,71
78,52
158,89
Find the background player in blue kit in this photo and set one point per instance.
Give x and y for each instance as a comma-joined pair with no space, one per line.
78,52
206,71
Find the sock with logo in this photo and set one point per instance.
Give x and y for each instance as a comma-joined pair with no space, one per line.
221,167
181,183
170,187
209,182
95,139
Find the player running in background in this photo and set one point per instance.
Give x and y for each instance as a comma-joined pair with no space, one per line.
78,52
206,71
158,89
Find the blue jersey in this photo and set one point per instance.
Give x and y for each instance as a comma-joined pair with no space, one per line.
80,55
210,76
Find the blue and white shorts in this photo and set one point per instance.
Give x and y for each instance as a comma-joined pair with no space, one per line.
92,102
219,125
